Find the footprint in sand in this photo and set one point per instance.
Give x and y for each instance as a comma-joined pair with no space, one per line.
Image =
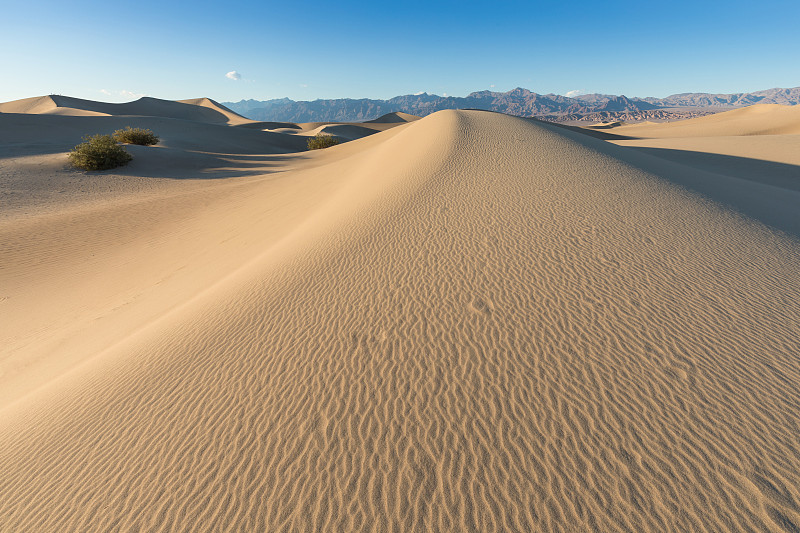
480,306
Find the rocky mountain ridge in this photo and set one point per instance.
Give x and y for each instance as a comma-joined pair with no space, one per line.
519,101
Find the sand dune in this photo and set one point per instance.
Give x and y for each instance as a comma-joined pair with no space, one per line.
768,159
382,123
198,110
607,125
345,132
23,134
37,104
469,322
308,127
35,176
234,119
271,125
397,116
761,119
758,144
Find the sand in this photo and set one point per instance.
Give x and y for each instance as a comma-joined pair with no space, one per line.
198,109
761,119
758,145
468,322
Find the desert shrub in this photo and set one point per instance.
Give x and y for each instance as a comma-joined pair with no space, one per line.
99,152
322,140
139,136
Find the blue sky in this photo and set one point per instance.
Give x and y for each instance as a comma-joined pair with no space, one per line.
115,51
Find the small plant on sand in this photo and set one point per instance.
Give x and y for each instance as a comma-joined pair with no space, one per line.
99,152
139,136
322,140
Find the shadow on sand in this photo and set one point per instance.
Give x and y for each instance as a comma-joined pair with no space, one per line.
763,190
771,173
597,134
171,163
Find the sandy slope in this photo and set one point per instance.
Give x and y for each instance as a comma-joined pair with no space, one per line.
397,116
35,176
471,322
345,132
772,159
234,118
761,119
760,143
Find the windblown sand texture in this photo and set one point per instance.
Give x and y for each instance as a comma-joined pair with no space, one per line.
468,322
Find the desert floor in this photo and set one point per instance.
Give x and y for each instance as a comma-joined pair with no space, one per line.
465,322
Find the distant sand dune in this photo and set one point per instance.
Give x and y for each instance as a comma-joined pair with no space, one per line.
470,322
37,104
397,116
199,109
758,144
761,119
234,118
347,132
271,125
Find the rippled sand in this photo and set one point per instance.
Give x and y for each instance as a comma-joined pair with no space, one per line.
471,322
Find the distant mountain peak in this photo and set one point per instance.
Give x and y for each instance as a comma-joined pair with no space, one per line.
518,101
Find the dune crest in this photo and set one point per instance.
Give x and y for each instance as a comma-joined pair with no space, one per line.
50,105
397,116
234,119
198,109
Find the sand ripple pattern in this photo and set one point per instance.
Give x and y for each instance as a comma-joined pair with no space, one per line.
521,332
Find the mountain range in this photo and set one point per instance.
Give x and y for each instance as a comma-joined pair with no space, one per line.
519,101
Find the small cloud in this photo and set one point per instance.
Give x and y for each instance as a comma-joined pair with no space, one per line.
419,93
444,94
304,85
491,86
573,94
123,94
130,94
233,75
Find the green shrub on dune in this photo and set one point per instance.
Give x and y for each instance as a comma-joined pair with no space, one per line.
322,140
138,136
99,152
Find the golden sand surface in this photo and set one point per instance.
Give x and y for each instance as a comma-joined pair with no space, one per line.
467,322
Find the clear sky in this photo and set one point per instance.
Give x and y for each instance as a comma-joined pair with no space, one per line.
116,51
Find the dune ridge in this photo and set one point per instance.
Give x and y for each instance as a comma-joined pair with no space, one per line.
198,109
477,323
396,116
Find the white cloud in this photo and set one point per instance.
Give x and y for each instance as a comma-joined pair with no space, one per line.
576,92
491,86
233,75
444,94
123,94
130,94
419,93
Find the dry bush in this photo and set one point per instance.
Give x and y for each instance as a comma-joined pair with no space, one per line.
322,140
99,152
138,136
